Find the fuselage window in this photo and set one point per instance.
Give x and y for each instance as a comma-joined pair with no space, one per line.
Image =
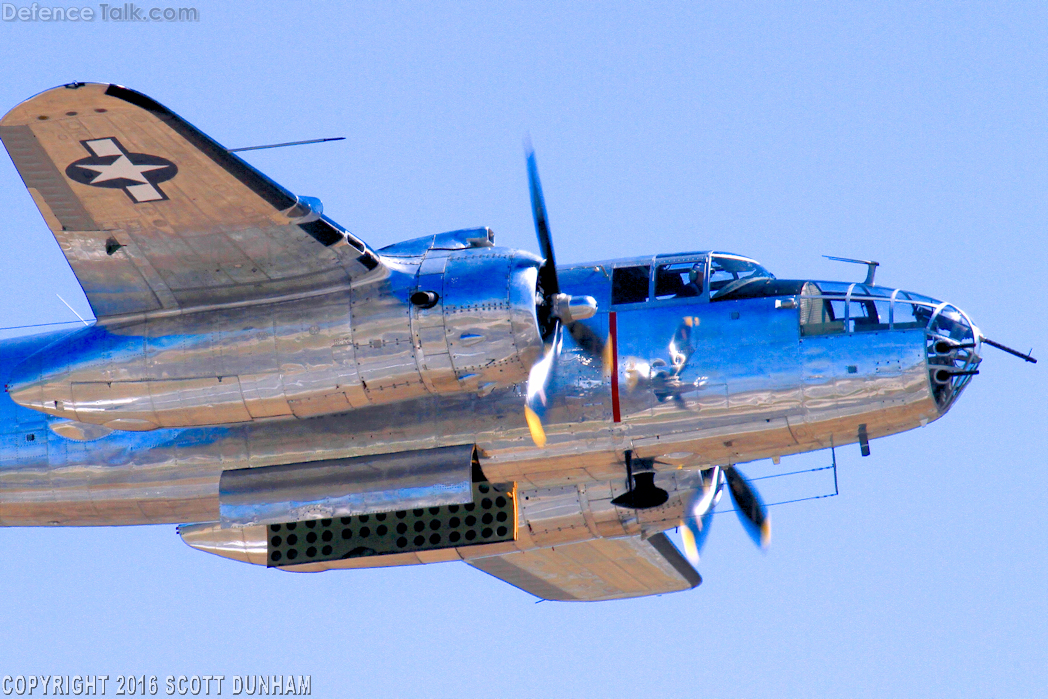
862,317
819,315
911,315
630,284
679,280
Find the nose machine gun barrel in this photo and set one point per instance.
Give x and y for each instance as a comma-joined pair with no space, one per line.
1009,350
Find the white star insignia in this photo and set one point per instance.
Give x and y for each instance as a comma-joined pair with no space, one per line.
121,168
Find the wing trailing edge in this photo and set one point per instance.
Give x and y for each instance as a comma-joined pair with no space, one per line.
601,569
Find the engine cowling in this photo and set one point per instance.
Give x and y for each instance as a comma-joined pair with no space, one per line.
482,334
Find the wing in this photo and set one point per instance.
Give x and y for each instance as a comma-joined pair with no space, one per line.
601,569
152,214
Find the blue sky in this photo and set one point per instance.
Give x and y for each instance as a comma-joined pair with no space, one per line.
910,133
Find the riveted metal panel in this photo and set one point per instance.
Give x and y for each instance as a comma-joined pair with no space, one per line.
489,317
382,341
427,324
41,175
601,569
553,514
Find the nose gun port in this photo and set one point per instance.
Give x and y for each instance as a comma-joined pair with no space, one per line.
953,344
954,347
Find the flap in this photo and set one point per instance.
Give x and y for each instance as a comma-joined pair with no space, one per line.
152,214
600,569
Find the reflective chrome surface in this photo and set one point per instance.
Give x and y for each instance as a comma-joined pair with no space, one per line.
315,355
740,382
254,361
244,544
345,487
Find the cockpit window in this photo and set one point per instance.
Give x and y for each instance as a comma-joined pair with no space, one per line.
679,280
730,273
630,284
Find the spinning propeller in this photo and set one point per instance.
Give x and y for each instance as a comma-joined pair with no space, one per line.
554,310
698,513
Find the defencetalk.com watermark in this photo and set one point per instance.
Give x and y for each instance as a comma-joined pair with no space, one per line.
124,12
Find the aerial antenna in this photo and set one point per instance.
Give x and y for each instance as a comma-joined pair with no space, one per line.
871,266
73,310
289,143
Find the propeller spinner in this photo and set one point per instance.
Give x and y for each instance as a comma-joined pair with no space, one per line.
554,310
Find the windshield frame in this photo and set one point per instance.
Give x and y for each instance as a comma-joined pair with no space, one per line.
761,272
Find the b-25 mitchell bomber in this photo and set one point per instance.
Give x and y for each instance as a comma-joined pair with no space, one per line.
293,398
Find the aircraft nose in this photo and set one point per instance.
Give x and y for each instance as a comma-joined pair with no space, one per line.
953,348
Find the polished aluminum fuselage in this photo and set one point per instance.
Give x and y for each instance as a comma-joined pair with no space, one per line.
364,371
329,352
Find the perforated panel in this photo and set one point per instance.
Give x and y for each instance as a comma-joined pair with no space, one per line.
491,517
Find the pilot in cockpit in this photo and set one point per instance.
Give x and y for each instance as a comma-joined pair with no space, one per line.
695,279
679,280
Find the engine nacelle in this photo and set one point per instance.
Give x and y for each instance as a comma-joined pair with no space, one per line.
346,349
482,332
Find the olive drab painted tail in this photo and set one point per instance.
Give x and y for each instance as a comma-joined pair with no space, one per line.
152,214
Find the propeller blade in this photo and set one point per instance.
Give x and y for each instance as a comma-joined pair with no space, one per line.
698,515
539,378
548,272
749,506
694,531
595,346
554,310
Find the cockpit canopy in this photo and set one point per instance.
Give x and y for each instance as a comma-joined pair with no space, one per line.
702,276
825,307
731,272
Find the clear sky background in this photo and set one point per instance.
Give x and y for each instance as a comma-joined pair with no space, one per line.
910,133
